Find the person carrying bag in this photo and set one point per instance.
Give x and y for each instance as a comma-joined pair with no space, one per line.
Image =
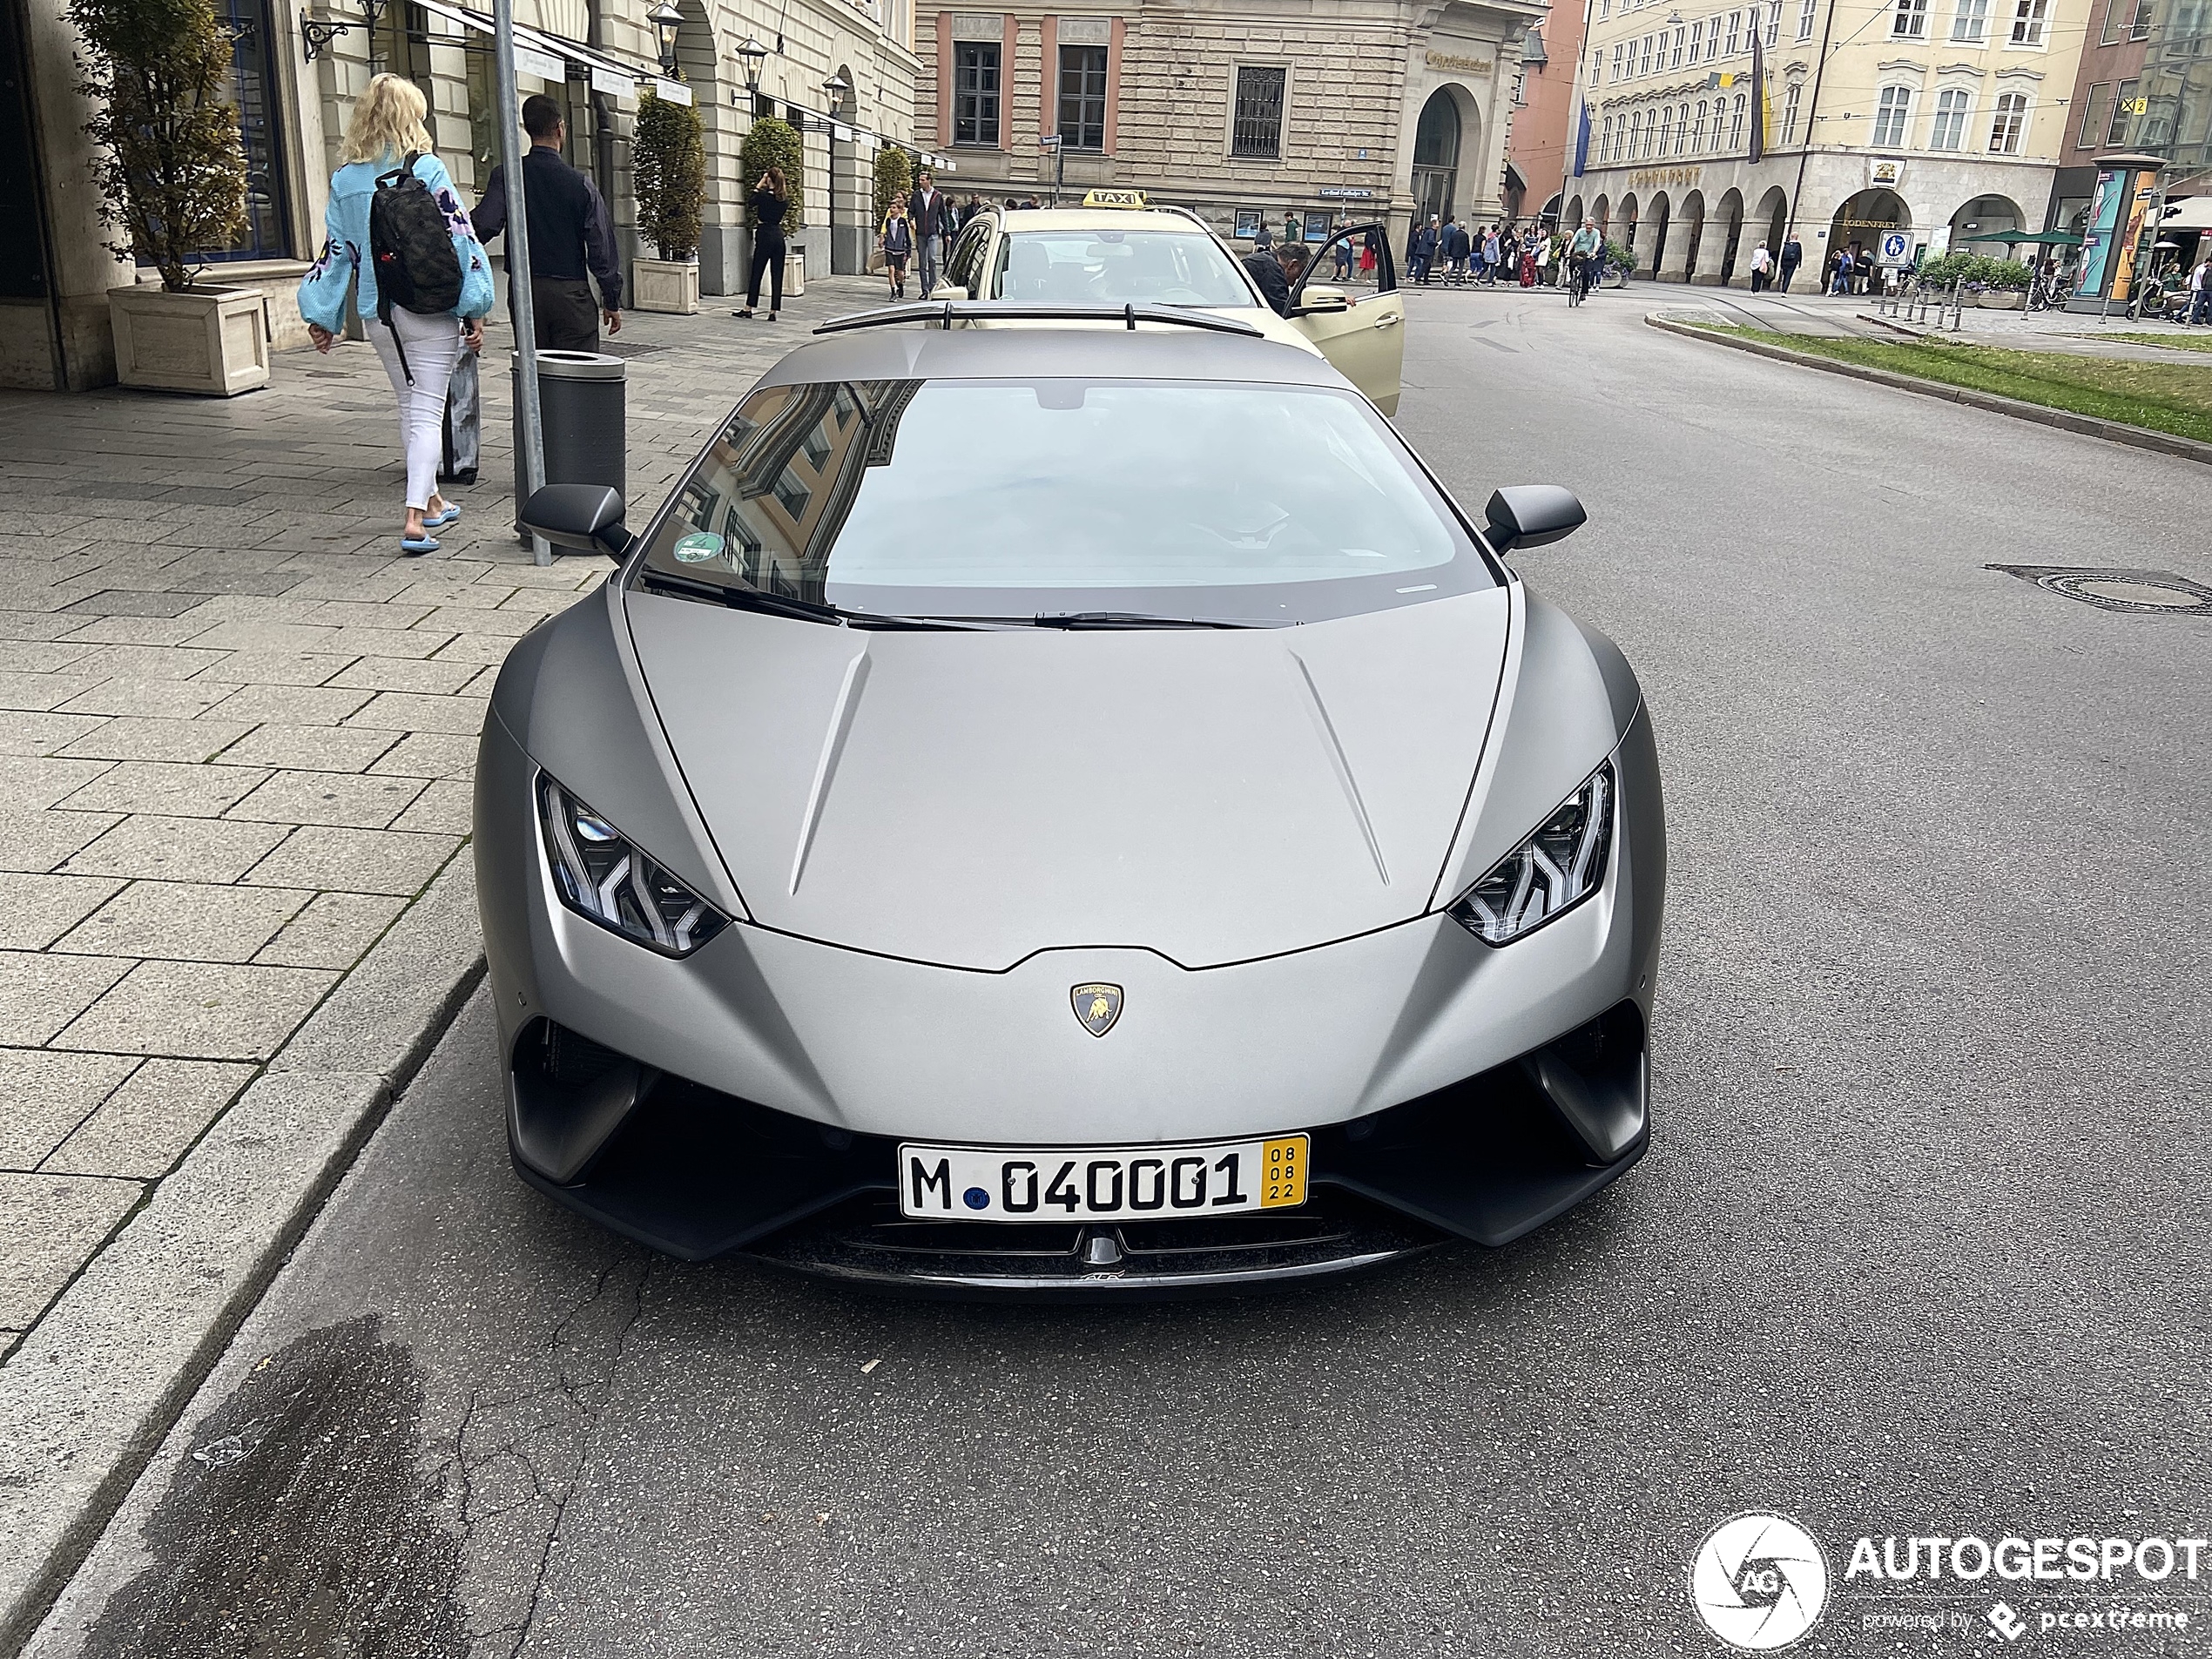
400,246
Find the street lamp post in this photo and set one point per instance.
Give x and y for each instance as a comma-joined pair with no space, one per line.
529,465
751,54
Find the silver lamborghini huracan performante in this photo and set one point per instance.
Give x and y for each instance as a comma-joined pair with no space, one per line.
1067,810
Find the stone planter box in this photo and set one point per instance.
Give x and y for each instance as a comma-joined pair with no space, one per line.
207,339
666,285
2000,298
794,272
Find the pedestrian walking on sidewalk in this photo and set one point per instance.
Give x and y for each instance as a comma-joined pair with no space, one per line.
771,201
570,235
1793,255
387,151
2201,291
927,208
1762,265
897,242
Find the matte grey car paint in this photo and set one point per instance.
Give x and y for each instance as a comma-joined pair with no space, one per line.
1291,811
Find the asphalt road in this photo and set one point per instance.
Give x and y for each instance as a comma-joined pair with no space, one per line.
1920,1247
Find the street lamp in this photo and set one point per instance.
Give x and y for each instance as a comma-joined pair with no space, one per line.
838,90
666,20
754,54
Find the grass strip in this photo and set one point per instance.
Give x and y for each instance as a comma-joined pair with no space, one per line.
2161,397
2192,340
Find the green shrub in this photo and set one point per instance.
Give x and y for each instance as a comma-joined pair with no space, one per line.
670,159
769,144
171,168
895,180
1976,270
1617,257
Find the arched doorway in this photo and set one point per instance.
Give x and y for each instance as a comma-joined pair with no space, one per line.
1574,216
1628,229
1604,217
1662,210
1693,213
1859,224
1733,233
1436,156
1982,215
1771,223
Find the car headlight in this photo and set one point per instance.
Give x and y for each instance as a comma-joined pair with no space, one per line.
605,878
1555,868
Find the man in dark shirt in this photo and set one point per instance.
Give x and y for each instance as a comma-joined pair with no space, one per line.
571,234
929,210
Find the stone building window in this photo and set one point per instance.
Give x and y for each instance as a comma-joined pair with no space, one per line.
1894,118
1950,121
2116,134
1082,97
1790,113
1256,126
1736,122
1804,18
2028,22
1970,24
1908,21
976,93
2005,129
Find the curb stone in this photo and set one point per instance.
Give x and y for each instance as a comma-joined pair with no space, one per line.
102,1378
2065,420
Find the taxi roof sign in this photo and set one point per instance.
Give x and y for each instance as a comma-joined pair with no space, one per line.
1113,199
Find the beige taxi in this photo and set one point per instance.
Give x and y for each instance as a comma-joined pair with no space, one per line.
1101,255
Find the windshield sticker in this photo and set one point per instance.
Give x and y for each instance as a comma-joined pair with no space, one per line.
698,547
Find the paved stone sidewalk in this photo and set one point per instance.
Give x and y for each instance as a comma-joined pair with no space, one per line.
237,729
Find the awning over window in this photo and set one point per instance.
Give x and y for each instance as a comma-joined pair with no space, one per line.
549,56
2194,214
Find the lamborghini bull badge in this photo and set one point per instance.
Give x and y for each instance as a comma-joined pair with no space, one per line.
1098,1007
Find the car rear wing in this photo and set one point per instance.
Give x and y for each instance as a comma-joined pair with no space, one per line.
945,313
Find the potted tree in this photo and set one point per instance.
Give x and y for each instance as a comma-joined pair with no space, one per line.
895,180
770,143
172,173
670,159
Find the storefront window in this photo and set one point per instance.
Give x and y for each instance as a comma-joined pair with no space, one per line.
253,85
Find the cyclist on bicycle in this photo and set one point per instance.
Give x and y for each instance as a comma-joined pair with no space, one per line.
1583,255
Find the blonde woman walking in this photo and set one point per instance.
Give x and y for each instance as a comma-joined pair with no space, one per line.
388,140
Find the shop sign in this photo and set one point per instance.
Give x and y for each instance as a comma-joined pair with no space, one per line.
1454,60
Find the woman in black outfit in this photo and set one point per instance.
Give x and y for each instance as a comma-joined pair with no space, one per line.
771,201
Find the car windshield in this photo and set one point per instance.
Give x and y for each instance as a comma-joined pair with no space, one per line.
1167,500
1117,267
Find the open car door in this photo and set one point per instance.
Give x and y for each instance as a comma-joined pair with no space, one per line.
1364,337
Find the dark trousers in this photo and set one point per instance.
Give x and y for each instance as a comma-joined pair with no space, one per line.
564,314
769,257
1788,271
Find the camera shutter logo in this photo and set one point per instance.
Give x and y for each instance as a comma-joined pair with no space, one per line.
1759,1581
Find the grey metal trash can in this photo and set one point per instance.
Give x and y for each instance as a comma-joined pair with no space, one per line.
582,407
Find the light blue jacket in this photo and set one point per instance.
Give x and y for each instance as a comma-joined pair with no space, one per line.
345,262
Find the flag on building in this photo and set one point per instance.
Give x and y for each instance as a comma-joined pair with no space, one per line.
1759,113
1582,141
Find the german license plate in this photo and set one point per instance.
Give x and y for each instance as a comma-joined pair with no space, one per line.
1102,1183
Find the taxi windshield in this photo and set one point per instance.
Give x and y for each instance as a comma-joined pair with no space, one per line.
1245,504
1116,267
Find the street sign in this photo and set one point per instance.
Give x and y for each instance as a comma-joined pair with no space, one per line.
1897,248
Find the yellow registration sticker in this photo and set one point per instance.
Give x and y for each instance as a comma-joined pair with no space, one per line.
1282,1176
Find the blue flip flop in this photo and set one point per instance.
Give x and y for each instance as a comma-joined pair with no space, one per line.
441,520
418,546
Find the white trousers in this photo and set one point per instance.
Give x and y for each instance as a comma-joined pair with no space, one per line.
433,344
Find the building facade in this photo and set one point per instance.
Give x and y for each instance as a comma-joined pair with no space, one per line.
1542,127
1243,110
1935,119
843,71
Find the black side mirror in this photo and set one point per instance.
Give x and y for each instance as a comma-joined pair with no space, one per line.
582,518
1531,515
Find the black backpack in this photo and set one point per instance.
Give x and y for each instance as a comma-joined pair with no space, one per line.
411,247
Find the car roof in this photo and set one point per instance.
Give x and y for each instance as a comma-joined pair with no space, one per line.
1014,220
1149,352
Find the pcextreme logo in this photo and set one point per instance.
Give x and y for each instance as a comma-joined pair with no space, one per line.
1759,1581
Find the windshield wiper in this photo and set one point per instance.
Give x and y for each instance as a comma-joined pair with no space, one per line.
1135,619
778,604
